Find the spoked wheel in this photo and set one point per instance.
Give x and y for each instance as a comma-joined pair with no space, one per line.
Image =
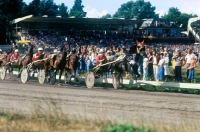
90,80
52,79
67,77
24,75
41,76
3,73
117,81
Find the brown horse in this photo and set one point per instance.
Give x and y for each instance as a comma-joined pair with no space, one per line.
71,66
10,65
59,63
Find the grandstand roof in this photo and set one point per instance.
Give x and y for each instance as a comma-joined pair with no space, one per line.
83,23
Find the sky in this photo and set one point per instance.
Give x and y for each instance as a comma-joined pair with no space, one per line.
98,8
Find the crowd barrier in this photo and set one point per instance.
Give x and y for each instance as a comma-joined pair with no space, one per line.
153,83
5,47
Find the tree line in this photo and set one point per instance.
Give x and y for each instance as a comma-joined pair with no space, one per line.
138,9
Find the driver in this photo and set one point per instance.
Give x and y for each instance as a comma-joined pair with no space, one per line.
37,55
101,58
15,57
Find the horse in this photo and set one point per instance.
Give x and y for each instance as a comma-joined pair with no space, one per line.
5,62
59,63
71,66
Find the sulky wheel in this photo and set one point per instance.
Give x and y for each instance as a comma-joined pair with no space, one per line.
3,73
67,77
41,76
90,79
52,79
24,75
117,81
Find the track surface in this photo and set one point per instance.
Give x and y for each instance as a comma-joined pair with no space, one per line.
107,103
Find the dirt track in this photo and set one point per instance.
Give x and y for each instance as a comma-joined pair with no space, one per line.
120,105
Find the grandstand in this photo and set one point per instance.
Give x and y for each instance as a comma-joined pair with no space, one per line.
194,28
155,30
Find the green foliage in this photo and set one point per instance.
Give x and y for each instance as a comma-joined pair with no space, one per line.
176,16
77,9
138,9
43,7
34,8
48,7
125,128
107,16
63,10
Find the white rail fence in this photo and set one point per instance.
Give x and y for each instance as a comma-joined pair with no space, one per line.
5,47
153,83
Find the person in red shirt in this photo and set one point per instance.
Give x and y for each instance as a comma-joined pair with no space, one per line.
15,57
101,58
37,55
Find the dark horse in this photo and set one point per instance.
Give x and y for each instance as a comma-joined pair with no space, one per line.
60,62
71,66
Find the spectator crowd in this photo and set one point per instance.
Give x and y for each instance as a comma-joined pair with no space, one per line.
154,64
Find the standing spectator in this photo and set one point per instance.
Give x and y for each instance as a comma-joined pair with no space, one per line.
191,68
145,67
161,68
178,63
155,60
82,64
188,60
166,66
88,64
150,65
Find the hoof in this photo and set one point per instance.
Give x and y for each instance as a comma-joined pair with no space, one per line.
59,84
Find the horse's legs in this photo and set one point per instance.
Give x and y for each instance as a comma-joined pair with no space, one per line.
19,72
132,71
60,74
10,70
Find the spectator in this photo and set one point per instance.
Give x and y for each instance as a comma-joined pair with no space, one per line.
178,63
150,65
166,66
155,60
191,68
145,67
88,64
161,68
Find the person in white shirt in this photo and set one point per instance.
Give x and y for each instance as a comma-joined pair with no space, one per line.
166,65
188,60
145,67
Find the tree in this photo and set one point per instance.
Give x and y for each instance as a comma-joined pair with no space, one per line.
48,7
138,9
173,14
9,10
77,9
106,16
34,8
176,16
63,10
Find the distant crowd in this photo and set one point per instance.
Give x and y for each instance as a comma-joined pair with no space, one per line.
153,65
